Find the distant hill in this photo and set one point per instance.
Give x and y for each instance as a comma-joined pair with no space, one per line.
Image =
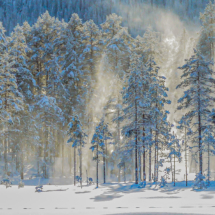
18,11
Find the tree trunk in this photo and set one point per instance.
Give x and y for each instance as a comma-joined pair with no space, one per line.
104,165
144,153
139,168
74,166
136,135
70,160
17,161
5,156
80,164
155,160
199,125
97,166
62,157
22,163
124,173
106,160
150,163
157,167
208,183
118,128
46,152
22,167
185,157
174,169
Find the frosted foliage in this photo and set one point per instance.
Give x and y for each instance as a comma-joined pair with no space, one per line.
73,67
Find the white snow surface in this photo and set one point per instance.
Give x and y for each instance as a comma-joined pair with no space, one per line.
111,198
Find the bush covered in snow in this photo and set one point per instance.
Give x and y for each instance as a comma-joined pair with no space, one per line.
199,182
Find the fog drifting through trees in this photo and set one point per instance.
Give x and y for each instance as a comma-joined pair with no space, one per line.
66,80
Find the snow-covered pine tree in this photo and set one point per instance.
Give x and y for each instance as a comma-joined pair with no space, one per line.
18,51
11,98
207,38
117,63
99,145
150,45
92,56
159,125
183,127
77,138
152,52
111,26
196,102
135,101
175,152
48,108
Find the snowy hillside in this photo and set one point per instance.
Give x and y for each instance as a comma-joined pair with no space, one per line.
14,12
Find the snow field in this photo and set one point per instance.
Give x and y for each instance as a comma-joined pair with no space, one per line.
113,198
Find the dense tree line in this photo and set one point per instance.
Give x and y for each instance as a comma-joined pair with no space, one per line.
18,11
48,76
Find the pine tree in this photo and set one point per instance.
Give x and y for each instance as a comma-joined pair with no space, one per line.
118,58
159,124
197,100
11,98
111,26
135,101
206,44
92,56
99,144
174,148
77,138
184,128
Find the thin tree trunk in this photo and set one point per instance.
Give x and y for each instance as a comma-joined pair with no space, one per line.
80,164
74,166
17,160
144,164
46,152
104,165
150,163
174,169
136,134
208,164
106,160
139,166
22,165
97,166
185,157
155,160
144,153
38,166
118,128
124,173
5,156
200,126
62,157
157,167
70,159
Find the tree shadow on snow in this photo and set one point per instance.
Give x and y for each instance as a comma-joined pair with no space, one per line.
154,213
161,197
103,197
83,192
54,190
113,190
123,188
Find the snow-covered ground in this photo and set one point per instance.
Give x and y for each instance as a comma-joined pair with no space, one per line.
112,198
